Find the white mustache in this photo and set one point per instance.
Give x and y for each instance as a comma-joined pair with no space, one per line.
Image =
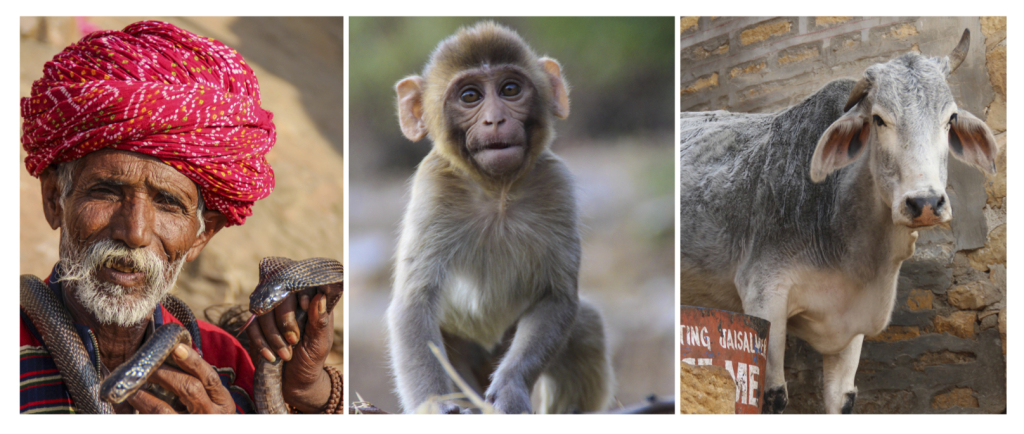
109,302
109,253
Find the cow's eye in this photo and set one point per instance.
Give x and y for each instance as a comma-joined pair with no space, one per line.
952,119
878,121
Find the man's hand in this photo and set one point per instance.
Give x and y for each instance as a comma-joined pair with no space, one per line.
196,385
306,385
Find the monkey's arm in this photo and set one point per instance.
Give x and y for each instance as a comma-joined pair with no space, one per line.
412,322
541,333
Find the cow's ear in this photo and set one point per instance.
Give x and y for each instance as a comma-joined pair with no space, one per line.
972,142
841,144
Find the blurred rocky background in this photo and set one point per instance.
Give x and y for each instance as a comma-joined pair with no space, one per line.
617,141
945,350
298,62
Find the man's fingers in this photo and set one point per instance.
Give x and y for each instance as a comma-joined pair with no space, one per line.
196,383
333,291
258,344
319,328
306,385
192,363
188,389
146,403
317,316
285,315
273,337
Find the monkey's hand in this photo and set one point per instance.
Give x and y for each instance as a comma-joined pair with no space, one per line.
449,407
306,385
509,396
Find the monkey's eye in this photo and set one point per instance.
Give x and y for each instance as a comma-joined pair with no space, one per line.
878,121
470,96
510,89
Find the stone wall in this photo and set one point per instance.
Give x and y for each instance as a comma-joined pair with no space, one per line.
945,349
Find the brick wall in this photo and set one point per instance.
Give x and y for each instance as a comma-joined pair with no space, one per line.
944,351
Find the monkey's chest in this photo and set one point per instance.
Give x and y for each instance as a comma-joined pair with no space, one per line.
497,264
481,311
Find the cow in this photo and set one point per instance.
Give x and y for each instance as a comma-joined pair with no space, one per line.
803,216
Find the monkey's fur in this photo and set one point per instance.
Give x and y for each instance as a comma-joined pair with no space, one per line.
490,246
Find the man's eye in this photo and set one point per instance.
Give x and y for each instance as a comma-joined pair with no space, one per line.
170,201
104,190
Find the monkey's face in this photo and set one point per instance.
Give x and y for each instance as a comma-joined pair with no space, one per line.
492,108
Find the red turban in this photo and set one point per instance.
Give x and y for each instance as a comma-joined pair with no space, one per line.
159,90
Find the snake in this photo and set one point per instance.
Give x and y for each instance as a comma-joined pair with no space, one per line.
278,278
57,330
80,375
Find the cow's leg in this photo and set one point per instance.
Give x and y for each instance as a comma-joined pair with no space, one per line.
765,296
840,370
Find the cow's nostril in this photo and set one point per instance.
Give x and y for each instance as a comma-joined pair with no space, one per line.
938,205
914,206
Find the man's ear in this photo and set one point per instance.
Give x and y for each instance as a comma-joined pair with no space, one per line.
51,197
215,221
410,108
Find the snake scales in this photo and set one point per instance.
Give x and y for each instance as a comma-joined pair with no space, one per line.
278,278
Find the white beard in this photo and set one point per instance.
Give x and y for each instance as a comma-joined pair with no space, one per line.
111,303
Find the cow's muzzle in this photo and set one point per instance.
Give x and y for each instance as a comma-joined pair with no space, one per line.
926,210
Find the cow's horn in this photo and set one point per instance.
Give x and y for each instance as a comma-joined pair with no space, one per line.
860,90
960,52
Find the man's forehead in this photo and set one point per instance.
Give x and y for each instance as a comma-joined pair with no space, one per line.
131,167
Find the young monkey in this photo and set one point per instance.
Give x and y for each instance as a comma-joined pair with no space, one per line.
489,256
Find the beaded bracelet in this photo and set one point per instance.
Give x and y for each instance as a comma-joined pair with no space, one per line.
334,404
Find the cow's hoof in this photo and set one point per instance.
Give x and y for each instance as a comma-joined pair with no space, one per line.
848,402
775,400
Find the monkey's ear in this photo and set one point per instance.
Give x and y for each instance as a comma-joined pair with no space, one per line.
559,90
410,108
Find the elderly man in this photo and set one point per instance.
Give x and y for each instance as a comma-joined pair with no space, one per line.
147,142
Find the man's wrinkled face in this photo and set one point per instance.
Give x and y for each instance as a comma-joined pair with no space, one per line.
128,223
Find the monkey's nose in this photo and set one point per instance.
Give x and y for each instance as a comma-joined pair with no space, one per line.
494,120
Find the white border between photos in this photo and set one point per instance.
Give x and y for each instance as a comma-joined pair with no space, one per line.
10,240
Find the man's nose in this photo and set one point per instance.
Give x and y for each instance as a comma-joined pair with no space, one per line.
134,223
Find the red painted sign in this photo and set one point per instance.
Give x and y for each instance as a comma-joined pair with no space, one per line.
734,341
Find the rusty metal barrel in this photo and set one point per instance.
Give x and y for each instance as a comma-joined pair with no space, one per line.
731,340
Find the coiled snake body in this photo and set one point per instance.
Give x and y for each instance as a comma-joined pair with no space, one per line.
278,278
69,354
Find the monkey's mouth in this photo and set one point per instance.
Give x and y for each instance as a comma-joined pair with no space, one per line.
497,146
500,157
499,149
